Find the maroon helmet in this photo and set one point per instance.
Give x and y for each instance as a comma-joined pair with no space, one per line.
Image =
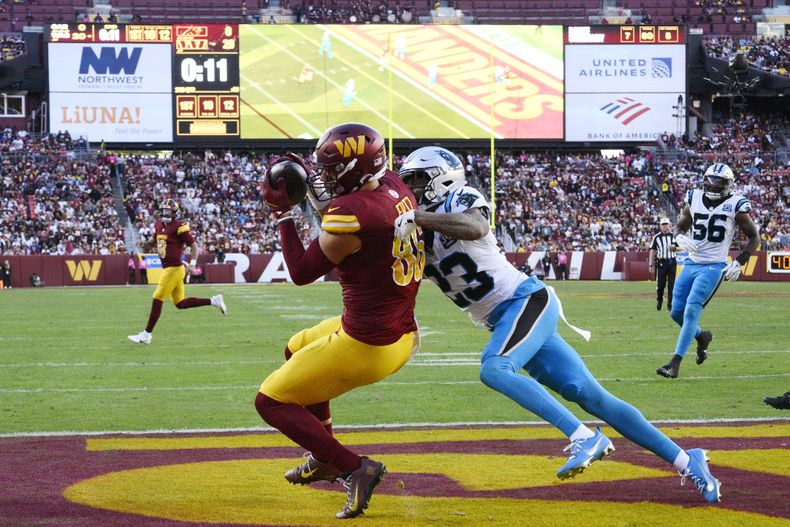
346,157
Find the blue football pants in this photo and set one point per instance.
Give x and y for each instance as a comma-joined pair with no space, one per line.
694,287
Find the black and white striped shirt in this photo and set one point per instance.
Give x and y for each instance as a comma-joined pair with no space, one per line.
662,244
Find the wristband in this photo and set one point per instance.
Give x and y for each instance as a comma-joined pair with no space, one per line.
743,258
193,263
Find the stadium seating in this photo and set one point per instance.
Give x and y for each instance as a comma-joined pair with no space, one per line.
765,53
11,46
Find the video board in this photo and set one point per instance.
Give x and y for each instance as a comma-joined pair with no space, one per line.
152,83
622,82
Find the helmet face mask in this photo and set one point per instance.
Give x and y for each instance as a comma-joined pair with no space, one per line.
432,173
718,182
168,210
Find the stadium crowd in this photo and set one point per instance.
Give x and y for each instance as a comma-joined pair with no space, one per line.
219,195
11,46
51,202
352,12
771,54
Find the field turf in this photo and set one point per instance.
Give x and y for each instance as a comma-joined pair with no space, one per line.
66,365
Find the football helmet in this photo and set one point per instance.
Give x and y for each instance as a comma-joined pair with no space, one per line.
432,172
169,210
346,157
718,181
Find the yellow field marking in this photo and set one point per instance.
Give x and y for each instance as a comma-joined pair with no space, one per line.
412,436
351,65
254,492
771,461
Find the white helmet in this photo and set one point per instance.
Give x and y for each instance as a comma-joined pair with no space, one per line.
432,172
718,181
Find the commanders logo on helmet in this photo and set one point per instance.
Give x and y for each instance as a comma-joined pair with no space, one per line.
346,157
432,172
169,210
718,182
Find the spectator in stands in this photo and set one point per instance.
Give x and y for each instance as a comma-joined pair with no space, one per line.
545,263
142,265
562,265
132,269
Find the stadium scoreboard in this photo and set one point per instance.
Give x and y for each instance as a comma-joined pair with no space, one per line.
227,83
203,82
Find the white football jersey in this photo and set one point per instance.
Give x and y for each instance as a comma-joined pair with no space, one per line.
713,229
472,273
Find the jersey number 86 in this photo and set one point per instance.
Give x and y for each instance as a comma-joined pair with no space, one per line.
409,262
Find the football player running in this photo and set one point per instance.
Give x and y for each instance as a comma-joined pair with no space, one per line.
171,236
377,332
712,215
463,259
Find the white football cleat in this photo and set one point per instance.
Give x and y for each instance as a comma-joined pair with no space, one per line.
219,302
141,338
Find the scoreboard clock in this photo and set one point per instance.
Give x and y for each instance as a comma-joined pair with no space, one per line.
778,262
206,81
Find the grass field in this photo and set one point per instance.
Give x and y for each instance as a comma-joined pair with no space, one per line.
293,85
66,365
67,370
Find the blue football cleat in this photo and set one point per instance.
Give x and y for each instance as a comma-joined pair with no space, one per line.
700,476
584,452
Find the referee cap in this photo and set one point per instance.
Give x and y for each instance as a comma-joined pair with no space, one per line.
665,221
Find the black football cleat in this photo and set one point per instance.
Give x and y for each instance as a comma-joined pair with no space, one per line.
659,302
670,371
780,403
311,471
360,485
703,341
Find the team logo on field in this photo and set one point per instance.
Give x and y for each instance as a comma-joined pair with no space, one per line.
625,110
661,68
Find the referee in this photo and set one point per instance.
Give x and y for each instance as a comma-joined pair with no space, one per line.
662,262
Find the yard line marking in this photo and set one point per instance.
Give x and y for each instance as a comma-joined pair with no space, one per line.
430,424
380,83
436,359
331,81
279,103
232,387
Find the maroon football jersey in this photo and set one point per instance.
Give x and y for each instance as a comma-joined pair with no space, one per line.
170,240
379,281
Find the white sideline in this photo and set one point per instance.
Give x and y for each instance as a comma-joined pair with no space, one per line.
234,387
421,359
389,426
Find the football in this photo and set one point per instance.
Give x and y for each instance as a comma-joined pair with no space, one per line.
295,178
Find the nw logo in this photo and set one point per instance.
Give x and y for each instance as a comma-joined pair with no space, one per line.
84,269
351,146
109,62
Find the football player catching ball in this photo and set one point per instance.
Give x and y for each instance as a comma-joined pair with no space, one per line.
377,332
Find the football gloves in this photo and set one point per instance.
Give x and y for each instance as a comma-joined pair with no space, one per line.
276,198
405,224
685,243
732,271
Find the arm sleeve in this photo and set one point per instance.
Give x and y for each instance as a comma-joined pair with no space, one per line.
743,205
304,266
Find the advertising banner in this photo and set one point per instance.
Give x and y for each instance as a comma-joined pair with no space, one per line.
619,116
622,68
144,117
111,91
